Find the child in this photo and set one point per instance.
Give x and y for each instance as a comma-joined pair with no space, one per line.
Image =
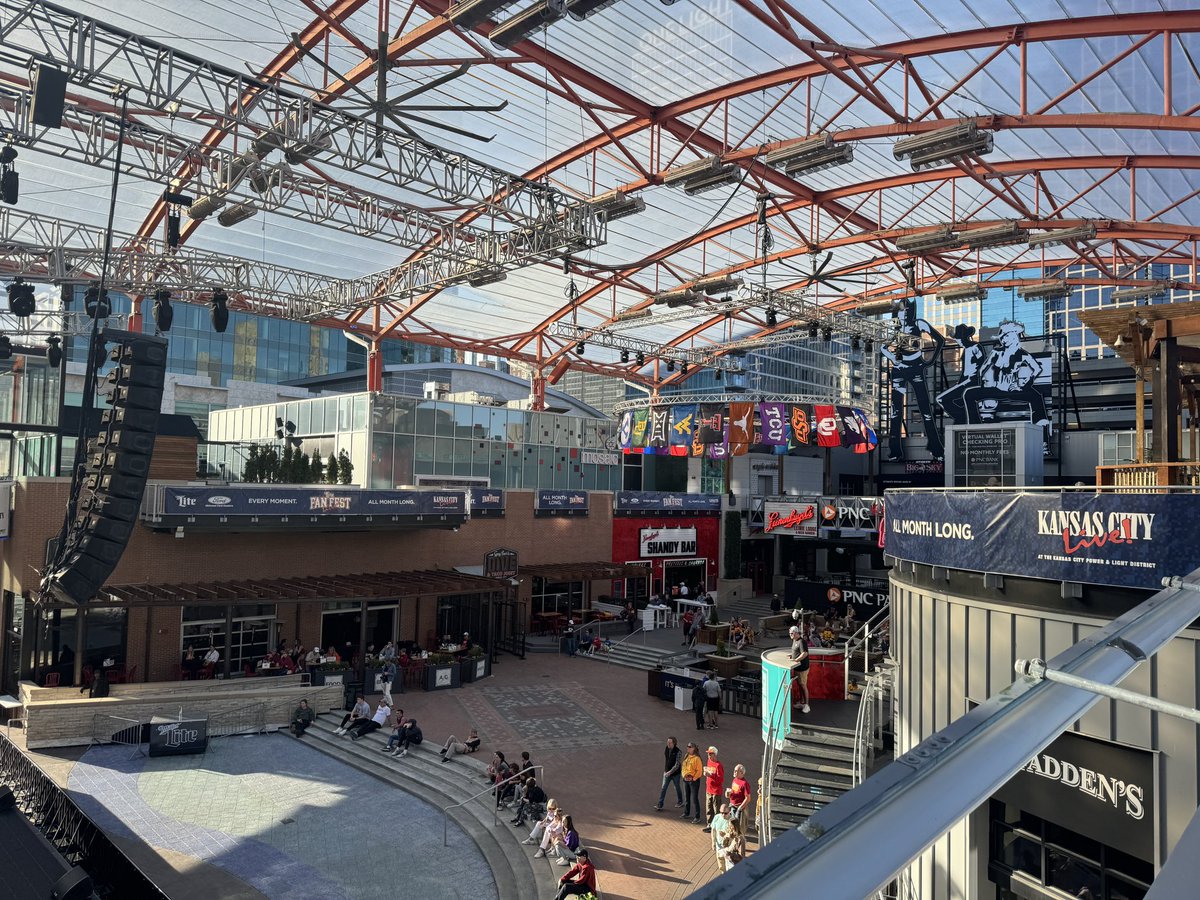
597,643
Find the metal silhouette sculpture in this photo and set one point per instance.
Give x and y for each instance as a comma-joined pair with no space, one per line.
1006,372
908,378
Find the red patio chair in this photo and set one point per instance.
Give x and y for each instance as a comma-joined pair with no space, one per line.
51,680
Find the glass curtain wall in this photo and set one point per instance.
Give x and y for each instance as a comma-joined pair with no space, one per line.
252,637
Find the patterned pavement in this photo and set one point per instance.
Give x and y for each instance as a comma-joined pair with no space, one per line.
289,821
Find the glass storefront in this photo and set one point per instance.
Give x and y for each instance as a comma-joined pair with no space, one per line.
396,441
253,633
556,596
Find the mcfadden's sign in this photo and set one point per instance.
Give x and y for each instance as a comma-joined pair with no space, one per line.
1130,540
654,542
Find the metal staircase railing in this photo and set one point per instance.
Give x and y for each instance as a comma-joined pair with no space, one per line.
877,624
772,748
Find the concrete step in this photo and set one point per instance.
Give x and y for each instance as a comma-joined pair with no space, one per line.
518,875
791,795
810,767
828,734
804,750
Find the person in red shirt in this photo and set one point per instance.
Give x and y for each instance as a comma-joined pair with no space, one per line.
739,796
579,879
714,786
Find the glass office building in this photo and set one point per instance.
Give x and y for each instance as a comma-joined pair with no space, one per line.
394,441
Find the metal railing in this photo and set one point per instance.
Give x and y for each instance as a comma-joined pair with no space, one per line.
74,835
771,755
862,638
868,730
109,729
1138,477
250,719
615,644
487,790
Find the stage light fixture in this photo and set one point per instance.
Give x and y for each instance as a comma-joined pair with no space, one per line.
679,297
1084,232
994,236
525,23
1044,290
961,293
772,318
640,359
624,356
54,354
869,345
466,14
219,308
581,9
5,347
205,207
683,368
827,334
239,212
66,295
164,315
616,204
580,348
701,168
928,241
10,181
812,331
723,176
717,284
670,365
626,315
97,306
811,155
306,150
21,298
1139,292
855,343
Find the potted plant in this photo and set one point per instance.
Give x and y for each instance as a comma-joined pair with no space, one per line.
442,671
474,665
714,631
331,673
724,663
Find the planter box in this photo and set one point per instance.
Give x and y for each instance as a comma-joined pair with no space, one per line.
445,676
710,633
338,676
474,669
724,666
375,678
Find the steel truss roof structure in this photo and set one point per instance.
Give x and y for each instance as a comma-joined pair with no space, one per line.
404,227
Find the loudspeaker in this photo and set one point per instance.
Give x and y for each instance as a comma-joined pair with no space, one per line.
7,800
49,95
75,885
114,477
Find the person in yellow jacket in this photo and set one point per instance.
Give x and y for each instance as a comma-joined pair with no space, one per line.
693,772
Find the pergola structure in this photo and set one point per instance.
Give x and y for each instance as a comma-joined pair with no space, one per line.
645,149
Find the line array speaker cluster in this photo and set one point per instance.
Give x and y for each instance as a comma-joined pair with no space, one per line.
117,466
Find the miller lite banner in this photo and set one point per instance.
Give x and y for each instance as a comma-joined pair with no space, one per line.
1129,540
655,542
799,517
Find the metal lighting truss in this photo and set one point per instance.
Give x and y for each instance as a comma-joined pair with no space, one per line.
961,293
1044,290
466,14
932,148
717,284
750,396
796,306
42,249
577,334
701,168
1140,292
928,241
1084,232
636,318
175,84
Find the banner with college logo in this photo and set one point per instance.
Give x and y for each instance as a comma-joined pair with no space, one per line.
625,432
259,500
1099,789
719,449
659,542
641,423
741,428
799,517
682,420
1130,540
828,433
801,421
774,423
712,423
660,423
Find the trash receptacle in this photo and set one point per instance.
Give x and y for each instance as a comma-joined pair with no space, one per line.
350,692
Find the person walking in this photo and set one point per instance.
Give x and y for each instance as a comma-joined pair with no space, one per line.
799,656
712,699
686,620
672,764
693,771
718,827
630,615
698,703
386,679
714,786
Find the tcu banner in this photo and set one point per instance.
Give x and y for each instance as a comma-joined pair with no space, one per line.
1130,540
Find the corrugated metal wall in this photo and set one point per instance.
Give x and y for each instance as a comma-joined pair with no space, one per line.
951,649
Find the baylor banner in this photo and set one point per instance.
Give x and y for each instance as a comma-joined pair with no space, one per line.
1130,540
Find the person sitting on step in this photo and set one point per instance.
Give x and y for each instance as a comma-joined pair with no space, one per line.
360,710
531,802
411,737
453,745
363,727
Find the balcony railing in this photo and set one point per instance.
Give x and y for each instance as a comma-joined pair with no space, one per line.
1142,476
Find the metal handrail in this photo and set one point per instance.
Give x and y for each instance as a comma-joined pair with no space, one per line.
866,724
862,638
770,760
488,790
623,640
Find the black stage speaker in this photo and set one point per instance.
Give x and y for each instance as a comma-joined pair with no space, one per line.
116,469
75,885
7,800
49,95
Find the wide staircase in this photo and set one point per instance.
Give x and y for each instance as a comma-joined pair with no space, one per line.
815,767
633,655
456,784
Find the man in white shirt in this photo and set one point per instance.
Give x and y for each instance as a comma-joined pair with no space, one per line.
212,657
366,726
683,590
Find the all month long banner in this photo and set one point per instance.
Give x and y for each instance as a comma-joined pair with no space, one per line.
1131,540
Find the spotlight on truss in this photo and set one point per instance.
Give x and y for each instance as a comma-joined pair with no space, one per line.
1084,232
525,23
617,204
928,241
932,148
993,236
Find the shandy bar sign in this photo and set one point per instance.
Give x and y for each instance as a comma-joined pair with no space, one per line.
1130,540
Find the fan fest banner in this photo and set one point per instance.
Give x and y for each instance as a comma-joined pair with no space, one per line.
718,430
1129,540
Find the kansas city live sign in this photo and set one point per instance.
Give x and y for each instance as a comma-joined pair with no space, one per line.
1128,540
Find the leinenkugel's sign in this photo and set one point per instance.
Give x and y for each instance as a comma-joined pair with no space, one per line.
500,563
655,542
1131,540
798,517
1099,789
